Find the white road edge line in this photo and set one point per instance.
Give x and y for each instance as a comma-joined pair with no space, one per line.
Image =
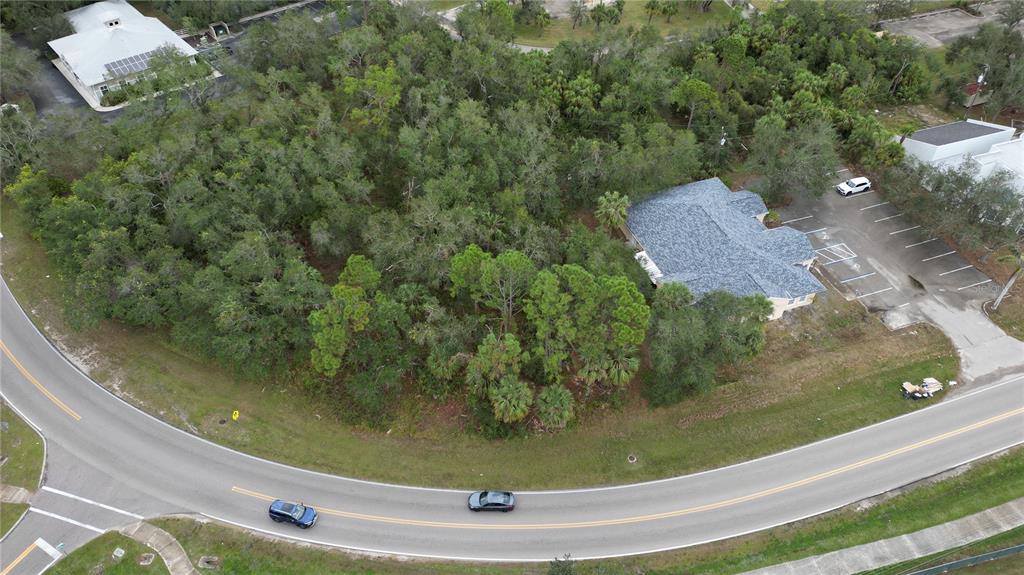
797,219
889,218
860,277
903,230
874,206
91,502
920,243
42,544
938,256
48,565
956,270
66,520
592,557
974,285
875,292
815,231
944,405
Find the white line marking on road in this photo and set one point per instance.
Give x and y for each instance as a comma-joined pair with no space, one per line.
42,544
938,256
888,218
91,502
66,520
903,305
920,243
815,231
862,276
974,285
956,270
874,206
48,565
903,230
797,219
874,292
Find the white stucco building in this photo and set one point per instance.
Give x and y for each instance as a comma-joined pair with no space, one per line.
111,45
952,143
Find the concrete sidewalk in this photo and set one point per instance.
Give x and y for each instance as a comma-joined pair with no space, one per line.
906,547
163,543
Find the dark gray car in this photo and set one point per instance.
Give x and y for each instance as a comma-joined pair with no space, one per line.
492,501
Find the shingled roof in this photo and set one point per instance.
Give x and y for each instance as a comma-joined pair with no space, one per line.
708,237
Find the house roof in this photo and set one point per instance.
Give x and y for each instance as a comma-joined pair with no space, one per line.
97,52
707,237
955,132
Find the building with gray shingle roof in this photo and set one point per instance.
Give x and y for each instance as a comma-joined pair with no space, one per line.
712,239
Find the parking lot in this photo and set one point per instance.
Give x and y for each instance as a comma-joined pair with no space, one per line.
873,253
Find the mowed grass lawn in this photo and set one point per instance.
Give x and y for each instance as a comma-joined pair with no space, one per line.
828,368
986,484
21,450
688,20
97,557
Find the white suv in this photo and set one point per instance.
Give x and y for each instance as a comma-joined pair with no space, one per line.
853,186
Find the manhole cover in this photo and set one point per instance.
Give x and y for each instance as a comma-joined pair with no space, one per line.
631,458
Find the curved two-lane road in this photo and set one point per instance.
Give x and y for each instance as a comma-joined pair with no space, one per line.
125,464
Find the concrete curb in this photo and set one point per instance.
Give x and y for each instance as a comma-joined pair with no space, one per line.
12,494
164,544
906,547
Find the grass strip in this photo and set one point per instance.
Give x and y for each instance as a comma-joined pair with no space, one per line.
21,450
10,513
828,368
985,484
97,557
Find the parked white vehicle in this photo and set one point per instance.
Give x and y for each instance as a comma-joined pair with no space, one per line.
853,186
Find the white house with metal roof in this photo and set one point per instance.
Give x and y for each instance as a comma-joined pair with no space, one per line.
713,239
112,44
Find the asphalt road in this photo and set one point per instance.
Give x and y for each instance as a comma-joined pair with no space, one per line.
109,464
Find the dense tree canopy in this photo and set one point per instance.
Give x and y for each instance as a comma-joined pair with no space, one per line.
388,210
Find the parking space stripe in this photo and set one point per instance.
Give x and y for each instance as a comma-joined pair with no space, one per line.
815,231
874,292
840,261
956,270
874,206
938,256
66,520
920,243
903,230
889,218
860,277
797,219
91,502
974,285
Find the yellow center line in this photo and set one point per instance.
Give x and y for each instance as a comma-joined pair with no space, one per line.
31,378
18,560
663,515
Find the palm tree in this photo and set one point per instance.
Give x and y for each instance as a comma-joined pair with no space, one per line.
652,7
1016,255
612,208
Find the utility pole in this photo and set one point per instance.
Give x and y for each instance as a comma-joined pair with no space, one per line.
981,84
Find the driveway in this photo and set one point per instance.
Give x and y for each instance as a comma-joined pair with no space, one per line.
938,28
873,253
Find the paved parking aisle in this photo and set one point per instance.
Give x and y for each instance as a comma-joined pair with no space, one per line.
874,253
